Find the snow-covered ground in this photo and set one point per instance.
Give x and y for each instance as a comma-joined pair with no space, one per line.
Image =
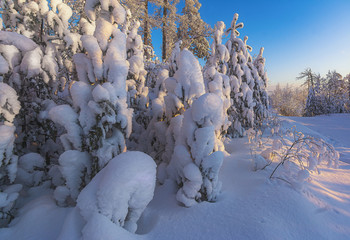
251,205
335,129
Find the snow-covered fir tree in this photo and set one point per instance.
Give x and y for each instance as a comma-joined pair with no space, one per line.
196,161
137,91
336,92
241,111
40,67
215,78
179,87
260,88
99,120
9,108
316,102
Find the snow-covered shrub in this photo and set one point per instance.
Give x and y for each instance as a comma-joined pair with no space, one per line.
308,151
121,191
9,108
196,161
293,155
299,155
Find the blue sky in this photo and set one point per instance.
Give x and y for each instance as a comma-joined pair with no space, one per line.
296,34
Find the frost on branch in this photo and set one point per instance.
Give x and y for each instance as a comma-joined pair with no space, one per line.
121,191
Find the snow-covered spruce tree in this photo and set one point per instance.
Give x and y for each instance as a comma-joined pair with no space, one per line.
336,92
137,91
153,140
99,121
315,103
260,95
195,163
183,84
9,108
215,78
39,67
241,111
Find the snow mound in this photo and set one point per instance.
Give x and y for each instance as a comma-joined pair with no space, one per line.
120,191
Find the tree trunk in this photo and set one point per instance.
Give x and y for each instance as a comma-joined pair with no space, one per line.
164,43
146,30
146,26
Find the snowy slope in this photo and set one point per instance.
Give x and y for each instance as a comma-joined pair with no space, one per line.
251,205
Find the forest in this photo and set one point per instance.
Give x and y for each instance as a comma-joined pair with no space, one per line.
95,125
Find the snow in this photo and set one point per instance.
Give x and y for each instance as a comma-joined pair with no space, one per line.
250,206
65,13
118,13
11,54
4,66
333,128
19,41
103,32
27,172
31,63
94,52
65,116
120,191
9,105
72,165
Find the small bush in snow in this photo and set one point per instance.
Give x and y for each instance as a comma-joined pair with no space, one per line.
298,154
307,151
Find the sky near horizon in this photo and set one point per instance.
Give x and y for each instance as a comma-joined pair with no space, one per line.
296,34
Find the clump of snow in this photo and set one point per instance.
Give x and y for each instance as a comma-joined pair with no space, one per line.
94,52
65,116
21,42
118,12
9,105
75,167
4,66
120,191
30,169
